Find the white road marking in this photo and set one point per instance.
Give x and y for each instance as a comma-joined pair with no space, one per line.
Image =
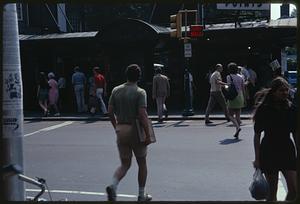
50,128
81,193
281,193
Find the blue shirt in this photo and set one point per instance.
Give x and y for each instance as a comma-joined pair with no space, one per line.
78,78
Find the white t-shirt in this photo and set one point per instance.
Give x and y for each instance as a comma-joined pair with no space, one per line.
214,85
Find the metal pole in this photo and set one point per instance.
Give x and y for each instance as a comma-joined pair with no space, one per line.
188,111
202,15
12,104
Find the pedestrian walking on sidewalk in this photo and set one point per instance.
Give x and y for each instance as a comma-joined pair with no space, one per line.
92,95
53,93
42,92
100,89
216,96
126,103
160,91
276,116
79,81
235,105
62,92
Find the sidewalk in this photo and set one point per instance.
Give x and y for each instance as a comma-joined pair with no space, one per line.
173,115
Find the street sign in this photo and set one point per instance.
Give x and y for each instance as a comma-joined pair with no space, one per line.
245,6
187,50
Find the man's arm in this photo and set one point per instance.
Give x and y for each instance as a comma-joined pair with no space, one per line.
221,82
143,116
112,116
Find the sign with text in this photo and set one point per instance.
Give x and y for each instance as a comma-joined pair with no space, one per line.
243,6
187,50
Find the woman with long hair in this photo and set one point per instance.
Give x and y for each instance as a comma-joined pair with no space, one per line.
276,116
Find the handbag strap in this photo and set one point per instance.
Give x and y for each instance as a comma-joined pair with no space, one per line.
232,80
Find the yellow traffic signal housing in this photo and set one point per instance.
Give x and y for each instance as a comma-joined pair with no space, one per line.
175,24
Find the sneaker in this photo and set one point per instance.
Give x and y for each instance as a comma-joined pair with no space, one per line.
208,122
146,197
111,193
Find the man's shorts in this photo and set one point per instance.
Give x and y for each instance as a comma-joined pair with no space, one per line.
127,141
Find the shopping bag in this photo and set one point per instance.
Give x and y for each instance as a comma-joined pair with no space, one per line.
259,187
141,132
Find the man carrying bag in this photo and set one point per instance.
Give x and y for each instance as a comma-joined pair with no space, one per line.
127,103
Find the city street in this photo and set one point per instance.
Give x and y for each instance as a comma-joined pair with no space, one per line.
189,162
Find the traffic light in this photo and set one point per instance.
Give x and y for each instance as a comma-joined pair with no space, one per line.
175,24
196,31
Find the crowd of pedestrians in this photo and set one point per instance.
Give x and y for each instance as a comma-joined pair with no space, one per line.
52,93
274,115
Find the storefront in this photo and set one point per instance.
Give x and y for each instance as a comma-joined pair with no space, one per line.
133,41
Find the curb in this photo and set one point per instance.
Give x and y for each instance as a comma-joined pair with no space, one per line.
154,118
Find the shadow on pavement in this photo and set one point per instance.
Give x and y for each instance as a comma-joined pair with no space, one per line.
229,141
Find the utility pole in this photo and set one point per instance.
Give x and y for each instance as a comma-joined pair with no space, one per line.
12,105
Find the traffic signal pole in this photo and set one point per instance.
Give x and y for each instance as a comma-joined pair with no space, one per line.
188,90
195,31
12,107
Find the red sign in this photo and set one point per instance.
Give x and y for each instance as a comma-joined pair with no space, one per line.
196,31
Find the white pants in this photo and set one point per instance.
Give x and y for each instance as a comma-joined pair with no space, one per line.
99,94
79,93
161,106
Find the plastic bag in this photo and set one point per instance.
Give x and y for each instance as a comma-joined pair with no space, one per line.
259,187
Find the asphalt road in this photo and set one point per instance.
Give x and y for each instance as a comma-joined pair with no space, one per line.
190,161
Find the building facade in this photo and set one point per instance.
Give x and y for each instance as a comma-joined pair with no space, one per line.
122,41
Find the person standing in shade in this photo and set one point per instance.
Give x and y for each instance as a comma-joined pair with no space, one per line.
100,89
276,116
126,103
160,91
92,95
53,93
78,81
61,83
42,92
216,96
251,86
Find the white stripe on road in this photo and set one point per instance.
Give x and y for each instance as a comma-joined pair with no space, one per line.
81,193
281,193
50,128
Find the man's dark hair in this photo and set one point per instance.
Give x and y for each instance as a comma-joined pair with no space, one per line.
158,70
232,68
133,72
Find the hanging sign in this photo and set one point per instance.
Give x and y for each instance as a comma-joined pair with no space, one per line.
243,6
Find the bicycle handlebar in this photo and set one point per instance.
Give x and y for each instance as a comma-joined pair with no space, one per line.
33,182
